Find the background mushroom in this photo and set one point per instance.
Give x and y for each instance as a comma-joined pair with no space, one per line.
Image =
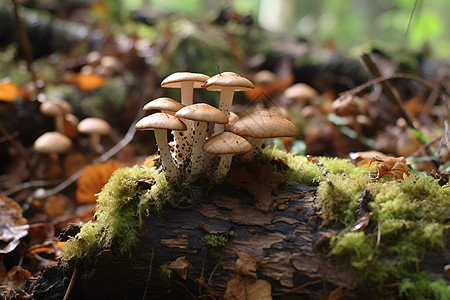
227,83
95,128
52,143
261,125
56,108
160,123
201,114
226,144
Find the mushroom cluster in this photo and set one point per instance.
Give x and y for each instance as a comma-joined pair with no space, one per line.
196,151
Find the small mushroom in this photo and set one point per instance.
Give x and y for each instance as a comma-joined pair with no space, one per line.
95,128
160,123
201,114
56,108
261,125
227,83
187,82
170,106
53,143
300,93
226,144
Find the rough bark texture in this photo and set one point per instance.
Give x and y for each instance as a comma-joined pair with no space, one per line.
281,242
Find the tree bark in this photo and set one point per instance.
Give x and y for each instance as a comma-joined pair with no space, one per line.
282,242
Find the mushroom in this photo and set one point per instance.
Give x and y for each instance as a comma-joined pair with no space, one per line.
56,108
170,106
226,144
201,114
52,143
227,83
300,93
261,125
187,81
95,128
160,123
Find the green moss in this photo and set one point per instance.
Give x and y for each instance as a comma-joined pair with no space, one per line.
122,208
214,240
412,214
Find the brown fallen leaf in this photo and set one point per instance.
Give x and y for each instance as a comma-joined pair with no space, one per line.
395,166
182,266
259,180
362,211
13,226
93,179
13,278
247,288
8,90
246,264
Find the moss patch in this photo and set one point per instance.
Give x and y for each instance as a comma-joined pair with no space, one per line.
412,214
123,204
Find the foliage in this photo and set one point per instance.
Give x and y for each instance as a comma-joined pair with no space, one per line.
214,240
122,207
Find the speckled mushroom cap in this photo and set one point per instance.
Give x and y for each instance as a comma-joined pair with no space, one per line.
94,126
263,124
228,79
164,103
174,80
227,143
202,112
160,121
52,142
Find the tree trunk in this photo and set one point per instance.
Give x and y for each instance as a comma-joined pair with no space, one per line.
277,246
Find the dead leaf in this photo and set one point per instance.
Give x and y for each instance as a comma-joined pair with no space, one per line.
13,226
181,266
395,166
13,278
362,211
8,90
246,264
260,181
89,82
93,179
246,288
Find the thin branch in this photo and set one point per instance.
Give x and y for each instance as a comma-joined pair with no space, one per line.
71,283
389,89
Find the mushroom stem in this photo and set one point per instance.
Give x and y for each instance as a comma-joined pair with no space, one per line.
187,96
187,92
256,145
59,123
94,141
199,135
164,151
226,98
182,147
223,167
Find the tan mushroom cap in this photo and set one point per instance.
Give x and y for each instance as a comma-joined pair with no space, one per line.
203,112
264,124
265,77
52,142
164,103
94,125
227,143
160,121
300,91
55,107
174,80
228,79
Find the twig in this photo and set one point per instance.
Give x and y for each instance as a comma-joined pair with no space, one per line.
149,274
30,184
71,283
24,41
298,289
189,292
389,89
378,234
380,79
